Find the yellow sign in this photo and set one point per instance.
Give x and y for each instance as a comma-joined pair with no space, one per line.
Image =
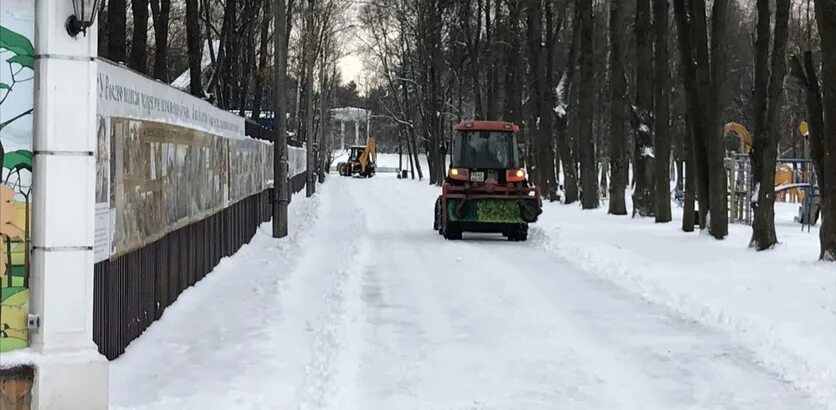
805,131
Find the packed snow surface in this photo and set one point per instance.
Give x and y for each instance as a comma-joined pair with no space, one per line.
364,306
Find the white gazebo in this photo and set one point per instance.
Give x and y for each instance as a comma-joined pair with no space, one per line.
351,114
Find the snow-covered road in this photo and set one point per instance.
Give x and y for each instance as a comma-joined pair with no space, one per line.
368,308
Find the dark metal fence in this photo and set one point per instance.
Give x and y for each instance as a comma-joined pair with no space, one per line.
133,290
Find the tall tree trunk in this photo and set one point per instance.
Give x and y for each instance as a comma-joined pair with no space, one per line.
547,103
618,112
310,59
161,11
536,83
492,31
248,62
688,207
565,142
589,168
661,108
117,28
412,141
696,162
643,145
228,53
258,94
472,38
715,150
324,128
702,99
213,84
769,86
432,36
194,42
826,18
512,107
139,40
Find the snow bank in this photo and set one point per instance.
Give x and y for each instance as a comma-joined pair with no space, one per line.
20,357
780,304
227,317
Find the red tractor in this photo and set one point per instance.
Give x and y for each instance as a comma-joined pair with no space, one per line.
486,188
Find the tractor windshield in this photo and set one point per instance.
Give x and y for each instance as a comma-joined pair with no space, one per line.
355,153
485,149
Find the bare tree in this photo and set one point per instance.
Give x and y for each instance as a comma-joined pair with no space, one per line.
826,18
429,27
139,40
117,27
161,12
512,106
643,154
473,40
264,38
492,31
702,80
309,52
618,112
589,171
769,88
195,48
565,141
227,54
661,109
540,70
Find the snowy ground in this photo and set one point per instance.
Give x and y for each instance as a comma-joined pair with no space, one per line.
366,307
780,304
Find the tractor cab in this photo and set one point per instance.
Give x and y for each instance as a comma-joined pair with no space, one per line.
355,152
485,152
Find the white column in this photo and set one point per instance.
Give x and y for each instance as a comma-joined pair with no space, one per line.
368,121
70,374
356,131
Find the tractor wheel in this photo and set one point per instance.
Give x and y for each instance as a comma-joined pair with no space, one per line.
450,230
342,168
453,232
437,214
529,211
518,233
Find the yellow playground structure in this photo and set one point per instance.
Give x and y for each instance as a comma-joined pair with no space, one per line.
791,175
795,179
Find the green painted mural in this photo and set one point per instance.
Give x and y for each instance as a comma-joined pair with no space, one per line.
16,101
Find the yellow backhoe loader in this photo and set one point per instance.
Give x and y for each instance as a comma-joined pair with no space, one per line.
361,161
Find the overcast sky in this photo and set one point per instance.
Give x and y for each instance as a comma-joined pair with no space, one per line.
351,68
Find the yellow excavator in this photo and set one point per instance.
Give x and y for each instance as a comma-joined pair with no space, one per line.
361,161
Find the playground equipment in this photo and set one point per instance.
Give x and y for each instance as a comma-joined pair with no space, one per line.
795,180
740,185
743,135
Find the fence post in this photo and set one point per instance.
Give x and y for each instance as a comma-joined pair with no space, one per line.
70,374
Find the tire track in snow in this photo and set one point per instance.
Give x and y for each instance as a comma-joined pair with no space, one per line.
320,306
511,326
